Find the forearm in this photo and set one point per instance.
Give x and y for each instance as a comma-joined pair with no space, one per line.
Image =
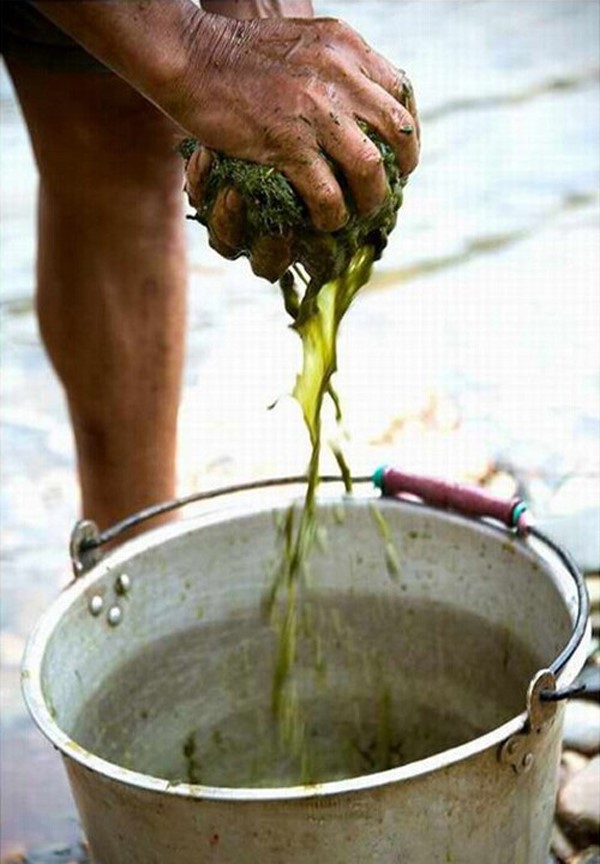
146,42
244,9
123,33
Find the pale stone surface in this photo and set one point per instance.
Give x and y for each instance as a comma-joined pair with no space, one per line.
562,847
590,676
593,586
582,727
571,763
579,804
588,856
578,530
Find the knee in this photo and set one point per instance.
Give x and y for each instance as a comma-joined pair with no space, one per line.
95,137
113,183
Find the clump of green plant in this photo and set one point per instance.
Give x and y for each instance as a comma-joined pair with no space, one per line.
274,209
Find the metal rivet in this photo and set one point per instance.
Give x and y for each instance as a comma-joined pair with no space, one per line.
527,761
96,604
114,615
123,584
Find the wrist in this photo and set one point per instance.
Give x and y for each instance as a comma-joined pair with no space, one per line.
187,91
146,44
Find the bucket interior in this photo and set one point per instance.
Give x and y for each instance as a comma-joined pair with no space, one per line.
389,671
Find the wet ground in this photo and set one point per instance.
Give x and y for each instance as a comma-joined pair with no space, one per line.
475,348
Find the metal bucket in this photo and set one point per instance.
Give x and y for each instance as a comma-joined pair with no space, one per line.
156,665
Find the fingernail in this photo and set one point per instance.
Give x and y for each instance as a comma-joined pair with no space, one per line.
407,129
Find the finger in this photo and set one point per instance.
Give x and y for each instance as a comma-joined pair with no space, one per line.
360,161
227,222
197,171
271,256
313,180
407,98
395,82
393,123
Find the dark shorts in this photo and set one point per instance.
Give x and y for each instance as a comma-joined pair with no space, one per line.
29,37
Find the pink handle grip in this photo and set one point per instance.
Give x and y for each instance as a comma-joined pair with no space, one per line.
454,496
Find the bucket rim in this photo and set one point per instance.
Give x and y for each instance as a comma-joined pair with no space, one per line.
31,677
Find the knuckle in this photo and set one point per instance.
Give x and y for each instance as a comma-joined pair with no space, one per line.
289,141
313,101
329,197
368,161
330,213
342,35
335,26
395,117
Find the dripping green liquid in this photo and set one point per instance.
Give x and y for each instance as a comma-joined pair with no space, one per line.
317,321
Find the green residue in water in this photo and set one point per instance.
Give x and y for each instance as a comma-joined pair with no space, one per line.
192,763
385,756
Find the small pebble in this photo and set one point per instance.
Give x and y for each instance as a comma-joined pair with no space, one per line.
562,847
588,856
590,676
582,727
11,648
593,586
14,856
571,763
578,807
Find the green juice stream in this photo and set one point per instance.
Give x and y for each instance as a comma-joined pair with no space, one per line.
317,320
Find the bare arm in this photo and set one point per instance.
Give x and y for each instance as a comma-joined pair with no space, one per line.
280,91
245,9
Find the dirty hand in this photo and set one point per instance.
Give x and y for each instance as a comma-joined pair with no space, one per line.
306,83
284,92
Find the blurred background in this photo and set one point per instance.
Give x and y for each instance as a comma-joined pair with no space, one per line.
473,353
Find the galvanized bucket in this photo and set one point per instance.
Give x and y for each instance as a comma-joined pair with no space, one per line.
154,668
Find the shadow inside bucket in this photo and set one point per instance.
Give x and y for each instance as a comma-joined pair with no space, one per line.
382,682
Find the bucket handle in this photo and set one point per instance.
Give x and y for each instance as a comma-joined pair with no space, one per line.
87,540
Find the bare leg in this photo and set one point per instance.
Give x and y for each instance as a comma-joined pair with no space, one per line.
111,278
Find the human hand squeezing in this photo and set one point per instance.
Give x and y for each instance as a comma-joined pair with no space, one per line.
304,112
